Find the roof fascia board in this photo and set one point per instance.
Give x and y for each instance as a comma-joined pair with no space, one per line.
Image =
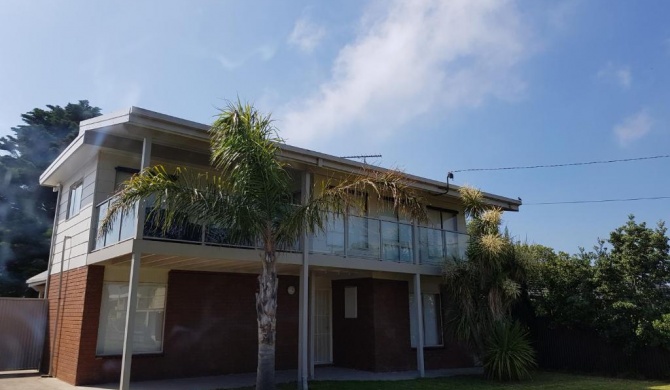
165,123
69,150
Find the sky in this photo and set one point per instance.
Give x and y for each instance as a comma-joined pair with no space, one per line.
433,86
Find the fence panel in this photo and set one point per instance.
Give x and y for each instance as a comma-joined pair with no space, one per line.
581,350
22,331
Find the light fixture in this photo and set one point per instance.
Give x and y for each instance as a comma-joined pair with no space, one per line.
291,290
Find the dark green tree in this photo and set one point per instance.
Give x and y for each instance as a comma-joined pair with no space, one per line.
621,288
560,286
631,280
26,209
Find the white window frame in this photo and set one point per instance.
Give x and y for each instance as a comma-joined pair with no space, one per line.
104,321
438,319
74,204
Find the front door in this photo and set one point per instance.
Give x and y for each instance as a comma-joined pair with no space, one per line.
323,340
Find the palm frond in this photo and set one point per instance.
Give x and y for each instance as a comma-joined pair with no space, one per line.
335,198
179,196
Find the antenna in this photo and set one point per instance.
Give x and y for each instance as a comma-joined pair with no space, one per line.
364,157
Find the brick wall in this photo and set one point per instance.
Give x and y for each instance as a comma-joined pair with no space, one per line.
391,303
354,338
210,329
75,304
379,339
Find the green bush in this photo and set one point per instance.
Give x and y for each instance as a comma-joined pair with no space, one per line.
508,354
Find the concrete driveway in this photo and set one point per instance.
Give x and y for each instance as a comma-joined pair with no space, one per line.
26,380
32,380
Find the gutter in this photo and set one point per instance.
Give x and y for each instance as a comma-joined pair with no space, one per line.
53,239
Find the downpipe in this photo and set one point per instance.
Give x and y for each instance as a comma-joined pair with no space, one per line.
58,306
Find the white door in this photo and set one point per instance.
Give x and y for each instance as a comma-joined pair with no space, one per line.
323,340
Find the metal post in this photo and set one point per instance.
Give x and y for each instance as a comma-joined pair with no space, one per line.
312,329
146,161
303,356
419,324
52,247
131,309
58,308
345,221
415,243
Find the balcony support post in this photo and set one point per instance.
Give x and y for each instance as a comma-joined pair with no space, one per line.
131,309
140,210
418,303
303,338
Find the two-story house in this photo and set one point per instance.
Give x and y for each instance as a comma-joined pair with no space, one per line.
364,294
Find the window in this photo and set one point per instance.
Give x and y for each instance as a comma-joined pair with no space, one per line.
396,234
432,320
148,337
438,238
74,202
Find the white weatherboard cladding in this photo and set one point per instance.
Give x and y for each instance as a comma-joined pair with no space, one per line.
107,163
77,227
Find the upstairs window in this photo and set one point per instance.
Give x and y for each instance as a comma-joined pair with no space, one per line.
74,202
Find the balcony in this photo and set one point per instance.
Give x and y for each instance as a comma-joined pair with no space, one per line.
380,239
345,236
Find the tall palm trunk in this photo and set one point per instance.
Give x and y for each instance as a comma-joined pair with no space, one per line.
266,312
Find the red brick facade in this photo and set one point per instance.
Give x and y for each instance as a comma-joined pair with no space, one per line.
77,322
379,339
210,328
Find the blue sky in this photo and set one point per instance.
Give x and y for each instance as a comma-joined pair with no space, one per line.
432,86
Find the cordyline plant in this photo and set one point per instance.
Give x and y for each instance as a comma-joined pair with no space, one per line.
481,289
250,197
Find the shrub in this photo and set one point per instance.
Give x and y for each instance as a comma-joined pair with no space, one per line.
508,354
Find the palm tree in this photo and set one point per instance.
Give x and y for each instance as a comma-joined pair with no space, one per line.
250,197
481,290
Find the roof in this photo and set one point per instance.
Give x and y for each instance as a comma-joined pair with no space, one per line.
37,280
88,142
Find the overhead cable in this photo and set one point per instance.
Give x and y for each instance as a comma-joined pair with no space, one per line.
563,165
597,201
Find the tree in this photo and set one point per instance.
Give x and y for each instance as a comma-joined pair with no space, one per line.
26,209
481,289
619,289
561,286
250,198
631,281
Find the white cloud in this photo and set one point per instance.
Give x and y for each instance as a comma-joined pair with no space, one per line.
264,52
620,75
633,127
410,58
306,35
228,63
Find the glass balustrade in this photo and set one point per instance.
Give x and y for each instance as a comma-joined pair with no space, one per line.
347,236
436,245
122,227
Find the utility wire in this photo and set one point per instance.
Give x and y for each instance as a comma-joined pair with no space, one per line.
562,165
597,201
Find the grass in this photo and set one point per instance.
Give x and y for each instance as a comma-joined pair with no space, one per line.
541,380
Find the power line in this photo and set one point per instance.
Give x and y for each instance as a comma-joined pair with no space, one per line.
597,201
563,165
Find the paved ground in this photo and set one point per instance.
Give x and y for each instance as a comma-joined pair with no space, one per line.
32,380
